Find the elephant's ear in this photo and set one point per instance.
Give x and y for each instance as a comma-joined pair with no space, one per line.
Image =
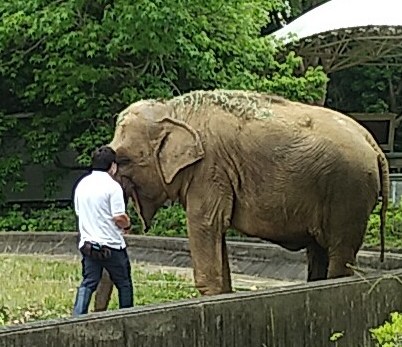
178,147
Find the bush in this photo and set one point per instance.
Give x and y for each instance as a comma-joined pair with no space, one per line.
49,219
169,221
393,229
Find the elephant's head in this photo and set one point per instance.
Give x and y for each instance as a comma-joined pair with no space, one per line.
152,147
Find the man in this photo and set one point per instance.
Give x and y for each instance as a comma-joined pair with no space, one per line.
100,208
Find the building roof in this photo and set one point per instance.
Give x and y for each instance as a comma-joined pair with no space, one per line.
344,33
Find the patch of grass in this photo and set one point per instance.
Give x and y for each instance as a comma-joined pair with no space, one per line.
44,287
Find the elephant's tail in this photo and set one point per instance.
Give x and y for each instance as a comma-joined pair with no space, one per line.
384,174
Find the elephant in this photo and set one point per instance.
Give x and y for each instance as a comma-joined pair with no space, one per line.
296,175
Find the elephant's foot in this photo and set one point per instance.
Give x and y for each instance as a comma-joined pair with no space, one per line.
338,266
103,292
317,263
208,291
227,288
213,286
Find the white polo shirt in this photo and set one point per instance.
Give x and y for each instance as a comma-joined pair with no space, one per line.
97,199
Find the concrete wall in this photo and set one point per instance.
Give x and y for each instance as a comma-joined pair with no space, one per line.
302,315
255,259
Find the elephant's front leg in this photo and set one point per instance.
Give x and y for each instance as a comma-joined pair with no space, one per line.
103,292
209,208
207,222
211,266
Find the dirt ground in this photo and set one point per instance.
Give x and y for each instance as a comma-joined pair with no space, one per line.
242,282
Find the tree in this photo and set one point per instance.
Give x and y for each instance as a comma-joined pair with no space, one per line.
289,11
77,63
367,89
370,89
302,6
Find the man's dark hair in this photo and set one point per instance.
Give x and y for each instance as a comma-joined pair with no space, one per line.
103,158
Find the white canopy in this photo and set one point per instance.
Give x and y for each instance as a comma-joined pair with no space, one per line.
341,14
344,33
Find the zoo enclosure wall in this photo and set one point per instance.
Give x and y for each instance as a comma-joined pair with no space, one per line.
301,315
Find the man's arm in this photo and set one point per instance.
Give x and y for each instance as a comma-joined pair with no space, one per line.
74,200
75,204
118,208
74,197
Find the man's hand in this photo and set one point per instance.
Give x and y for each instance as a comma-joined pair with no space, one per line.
127,229
122,221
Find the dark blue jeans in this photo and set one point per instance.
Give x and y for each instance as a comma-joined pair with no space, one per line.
119,269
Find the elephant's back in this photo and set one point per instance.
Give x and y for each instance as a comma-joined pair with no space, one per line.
316,123
310,142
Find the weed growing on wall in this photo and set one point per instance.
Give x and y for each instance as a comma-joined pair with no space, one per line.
389,334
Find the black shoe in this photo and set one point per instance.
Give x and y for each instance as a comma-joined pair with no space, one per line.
82,301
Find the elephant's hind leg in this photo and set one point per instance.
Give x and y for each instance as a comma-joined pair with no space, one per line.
339,260
347,215
103,292
317,262
346,242
227,280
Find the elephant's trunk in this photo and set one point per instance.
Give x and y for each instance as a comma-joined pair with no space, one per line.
129,191
145,223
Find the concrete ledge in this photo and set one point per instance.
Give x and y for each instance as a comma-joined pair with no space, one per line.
255,259
300,315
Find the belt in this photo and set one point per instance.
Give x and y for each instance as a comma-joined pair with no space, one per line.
97,251
115,249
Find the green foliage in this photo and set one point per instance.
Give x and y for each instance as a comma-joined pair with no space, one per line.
366,89
77,63
169,221
50,219
389,334
301,6
10,165
44,287
336,336
393,229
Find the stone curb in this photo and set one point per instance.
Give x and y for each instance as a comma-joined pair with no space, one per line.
249,258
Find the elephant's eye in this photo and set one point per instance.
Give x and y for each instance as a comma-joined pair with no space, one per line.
123,161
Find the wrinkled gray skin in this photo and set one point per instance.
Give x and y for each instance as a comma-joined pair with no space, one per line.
297,175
